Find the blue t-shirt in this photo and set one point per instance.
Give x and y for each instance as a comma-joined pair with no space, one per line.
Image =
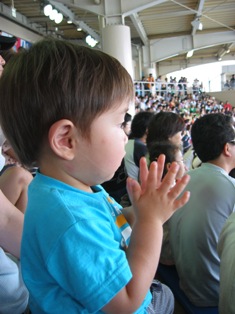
73,248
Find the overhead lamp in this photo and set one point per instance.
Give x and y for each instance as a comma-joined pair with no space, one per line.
52,13
59,18
91,41
190,53
79,29
47,9
69,21
219,58
197,24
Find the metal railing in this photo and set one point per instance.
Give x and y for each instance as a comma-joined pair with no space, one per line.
146,88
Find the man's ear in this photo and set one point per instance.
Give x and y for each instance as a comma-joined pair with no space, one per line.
61,138
168,165
226,150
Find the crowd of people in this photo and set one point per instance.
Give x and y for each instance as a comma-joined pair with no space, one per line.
92,198
149,85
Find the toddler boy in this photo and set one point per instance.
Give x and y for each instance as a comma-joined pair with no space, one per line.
63,111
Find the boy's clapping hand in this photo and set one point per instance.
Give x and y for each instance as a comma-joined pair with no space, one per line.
155,199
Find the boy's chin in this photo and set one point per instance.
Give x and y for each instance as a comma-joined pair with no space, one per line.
108,178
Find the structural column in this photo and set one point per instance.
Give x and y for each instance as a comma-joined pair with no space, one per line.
116,41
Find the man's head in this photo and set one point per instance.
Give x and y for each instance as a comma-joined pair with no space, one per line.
165,126
57,80
210,134
139,125
6,43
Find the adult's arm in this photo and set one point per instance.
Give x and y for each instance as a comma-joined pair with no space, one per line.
11,226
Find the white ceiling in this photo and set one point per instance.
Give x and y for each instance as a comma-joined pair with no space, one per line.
165,25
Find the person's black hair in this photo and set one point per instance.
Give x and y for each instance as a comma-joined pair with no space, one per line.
164,125
127,119
165,147
209,135
140,124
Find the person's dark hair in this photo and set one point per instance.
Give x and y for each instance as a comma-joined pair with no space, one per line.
7,54
209,135
165,147
139,124
56,80
164,125
127,119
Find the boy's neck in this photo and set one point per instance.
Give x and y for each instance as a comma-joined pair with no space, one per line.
66,178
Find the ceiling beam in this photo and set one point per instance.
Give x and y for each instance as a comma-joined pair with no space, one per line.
198,15
139,27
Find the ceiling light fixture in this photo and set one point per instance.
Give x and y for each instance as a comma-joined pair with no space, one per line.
197,24
47,9
52,13
190,53
91,41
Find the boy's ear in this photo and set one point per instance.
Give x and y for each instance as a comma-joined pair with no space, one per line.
61,138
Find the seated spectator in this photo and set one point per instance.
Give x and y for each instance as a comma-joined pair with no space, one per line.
232,82
136,146
116,187
226,247
172,153
14,179
195,228
226,85
186,137
165,126
227,106
127,124
13,293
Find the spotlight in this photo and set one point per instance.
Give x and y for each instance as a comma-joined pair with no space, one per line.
47,9
69,21
189,53
91,41
53,14
197,24
58,18
79,29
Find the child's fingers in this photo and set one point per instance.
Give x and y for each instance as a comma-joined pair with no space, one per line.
161,163
143,176
182,200
133,189
178,189
169,180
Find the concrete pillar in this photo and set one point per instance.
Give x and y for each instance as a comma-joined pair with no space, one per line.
116,41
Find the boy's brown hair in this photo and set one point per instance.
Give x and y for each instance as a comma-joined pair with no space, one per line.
57,80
